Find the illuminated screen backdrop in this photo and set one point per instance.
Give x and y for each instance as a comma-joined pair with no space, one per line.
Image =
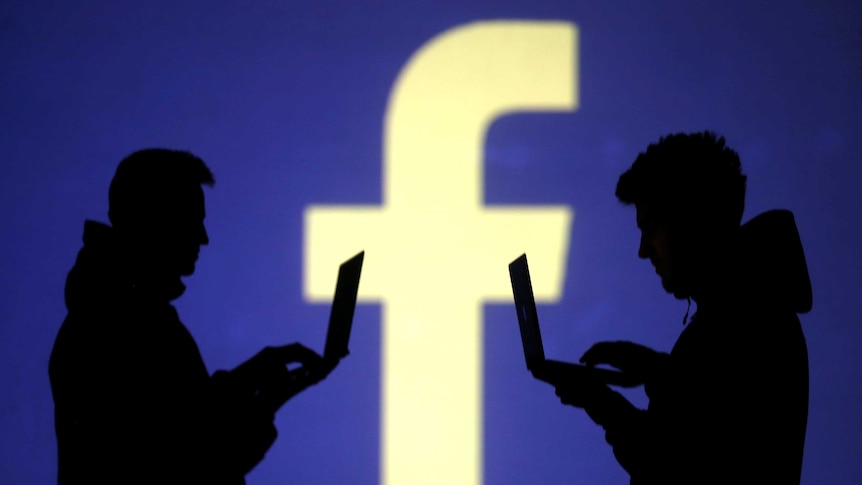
444,139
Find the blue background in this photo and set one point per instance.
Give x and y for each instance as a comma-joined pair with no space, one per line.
285,102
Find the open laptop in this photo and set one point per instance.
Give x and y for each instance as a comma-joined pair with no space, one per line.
551,371
343,306
337,337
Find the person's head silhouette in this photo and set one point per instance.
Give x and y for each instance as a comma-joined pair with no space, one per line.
156,207
689,193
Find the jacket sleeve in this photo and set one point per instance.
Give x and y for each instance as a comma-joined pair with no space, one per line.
139,414
626,430
245,426
685,436
720,418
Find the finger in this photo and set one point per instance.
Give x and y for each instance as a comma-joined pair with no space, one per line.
600,353
566,392
306,376
293,353
289,385
570,398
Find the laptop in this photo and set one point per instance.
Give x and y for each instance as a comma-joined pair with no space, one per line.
343,306
551,371
337,337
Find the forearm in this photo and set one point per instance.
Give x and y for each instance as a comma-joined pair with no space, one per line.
626,429
241,425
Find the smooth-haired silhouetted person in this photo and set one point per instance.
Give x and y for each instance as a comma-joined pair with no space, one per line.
134,402
729,403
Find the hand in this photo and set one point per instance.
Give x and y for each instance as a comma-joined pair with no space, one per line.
601,404
580,393
633,359
267,373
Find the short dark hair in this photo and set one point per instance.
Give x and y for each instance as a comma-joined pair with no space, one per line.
687,180
148,181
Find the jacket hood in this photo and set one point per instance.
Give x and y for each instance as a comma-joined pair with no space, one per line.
103,272
772,261
96,275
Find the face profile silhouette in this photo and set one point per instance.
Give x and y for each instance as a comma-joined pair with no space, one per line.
655,246
157,208
177,236
689,193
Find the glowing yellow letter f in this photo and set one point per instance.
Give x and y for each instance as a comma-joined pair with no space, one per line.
434,252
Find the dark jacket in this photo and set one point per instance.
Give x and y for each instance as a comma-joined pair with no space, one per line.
133,400
730,405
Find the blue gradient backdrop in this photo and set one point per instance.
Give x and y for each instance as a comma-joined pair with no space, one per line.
285,101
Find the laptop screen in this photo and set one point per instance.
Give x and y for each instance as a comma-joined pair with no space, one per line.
343,306
525,304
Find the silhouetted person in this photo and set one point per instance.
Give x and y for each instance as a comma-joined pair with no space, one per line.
134,402
729,404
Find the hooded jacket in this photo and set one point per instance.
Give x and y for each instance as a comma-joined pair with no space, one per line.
134,402
730,405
